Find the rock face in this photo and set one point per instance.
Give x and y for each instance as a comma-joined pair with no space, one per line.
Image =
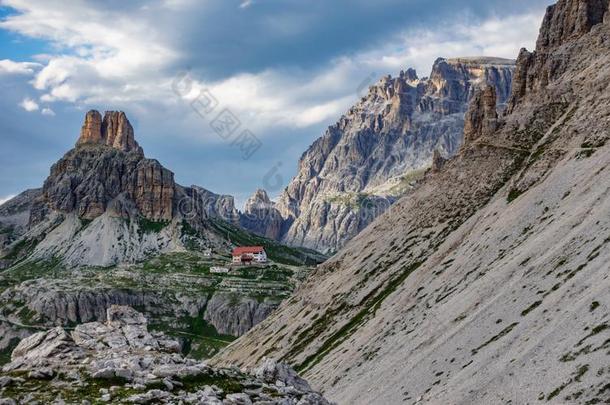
15,216
105,203
212,205
236,318
488,282
482,116
379,148
261,217
563,23
65,303
114,131
142,367
89,180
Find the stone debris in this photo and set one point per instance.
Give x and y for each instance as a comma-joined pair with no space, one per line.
140,367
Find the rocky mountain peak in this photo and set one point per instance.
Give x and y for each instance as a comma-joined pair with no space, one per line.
259,199
261,216
563,24
374,152
569,19
113,130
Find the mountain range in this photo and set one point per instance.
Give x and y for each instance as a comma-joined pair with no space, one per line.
467,214
376,152
488,281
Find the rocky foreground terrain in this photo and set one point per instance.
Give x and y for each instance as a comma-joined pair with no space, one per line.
488,282
377,151
120,361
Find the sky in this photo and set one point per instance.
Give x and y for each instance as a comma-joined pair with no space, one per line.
281,70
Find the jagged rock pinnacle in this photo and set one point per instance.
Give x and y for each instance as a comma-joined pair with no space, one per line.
114,131
438,161
482,116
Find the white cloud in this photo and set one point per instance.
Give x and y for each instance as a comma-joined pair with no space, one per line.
96,59
298,99
29,104
8,66
48,111
130,62
495,37
5,199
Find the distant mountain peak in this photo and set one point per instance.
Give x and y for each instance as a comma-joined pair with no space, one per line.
113,130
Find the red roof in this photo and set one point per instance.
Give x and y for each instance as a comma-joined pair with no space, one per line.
238,251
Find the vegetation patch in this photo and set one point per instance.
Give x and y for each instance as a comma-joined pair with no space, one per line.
596,330
502,333
580,371
200,339
513,194
531,308
228,384
148,226
5,354
594,306
22,249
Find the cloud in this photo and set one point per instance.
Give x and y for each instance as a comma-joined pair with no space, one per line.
29,104
96,61
296,98
131,62
246,3
48,111
8,66
5,199
419,48
286,69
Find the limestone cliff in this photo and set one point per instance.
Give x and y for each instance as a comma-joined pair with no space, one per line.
114,130
376,152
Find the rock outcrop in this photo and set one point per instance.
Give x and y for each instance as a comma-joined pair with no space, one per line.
14,218
261,217
90,180
376,152
235,316
488,282
114,130
68,302
563,23
120,361
482,116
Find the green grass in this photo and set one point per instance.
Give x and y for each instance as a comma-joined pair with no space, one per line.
513,194
148,226
5,355
201,339
502,333
531,308
188,230
226,383
29,270
21,249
